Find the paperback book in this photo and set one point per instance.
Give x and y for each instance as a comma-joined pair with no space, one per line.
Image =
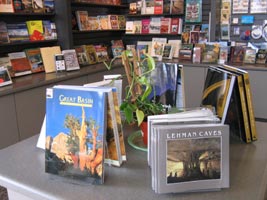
75,132
19,64
35,59
71,60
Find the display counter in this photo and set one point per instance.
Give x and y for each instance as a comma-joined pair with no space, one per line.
22,172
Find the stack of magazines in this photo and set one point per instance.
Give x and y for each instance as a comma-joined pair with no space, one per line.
188,151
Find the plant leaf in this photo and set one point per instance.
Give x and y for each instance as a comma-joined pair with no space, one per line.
140,116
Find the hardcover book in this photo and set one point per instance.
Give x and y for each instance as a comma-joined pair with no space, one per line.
75,133
81,16
19,64
192,157
174,25
35,59
165,25
217,92
91,54
71,60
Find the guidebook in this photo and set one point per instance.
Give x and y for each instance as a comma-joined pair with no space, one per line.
75,132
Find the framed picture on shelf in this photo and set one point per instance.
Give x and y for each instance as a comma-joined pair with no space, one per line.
5,78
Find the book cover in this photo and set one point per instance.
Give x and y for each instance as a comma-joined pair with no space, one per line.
117,47
5,78
129,27
82,55
48,57
158,7
17,32
176,47
132,8
174,25
35,59
27,6
145,26
93,23
149,8
113,22
157,47
185,37
218,88
35,30
137,24
104,22
194,37
49,6
155,25
3,33
249,56
166,6
101,53
237,54
261,56
177,7
165,25
122,22
186,52
193,11
6,7
211,53
142,48
75,132
81,16
167,51
38,6
19,64
192,157
71,60
91,54
49,32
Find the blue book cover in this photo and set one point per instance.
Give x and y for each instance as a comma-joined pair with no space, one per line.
75,133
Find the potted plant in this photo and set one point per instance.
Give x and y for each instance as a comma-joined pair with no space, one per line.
137,105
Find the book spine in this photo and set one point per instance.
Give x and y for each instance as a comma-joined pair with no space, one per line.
250,107
244,109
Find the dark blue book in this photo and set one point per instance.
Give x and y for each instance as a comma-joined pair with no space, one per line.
75,133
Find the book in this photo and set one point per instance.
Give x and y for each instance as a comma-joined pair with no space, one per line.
35,30
49,32
155,25
137,25
5,78
193,11
186,52
157,47
38,6
248,97
261,56
101,53
218,88
113,22
6,7
211,53
167,51
166,6
174,27
122,22
91,54
132,8
165,25
196,55
5,62
19,64
185,37
115,137
145,26
92,23
75,132
177,7
71,60
48,57
117,47
249,56
4,39
209,151
104,22
176,47
158,7
142,48
17,32
27,6
49,6
82,55
129,29
35,59
194,37
81,16
237,54
149,6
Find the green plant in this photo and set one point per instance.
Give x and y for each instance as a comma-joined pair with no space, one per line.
136,105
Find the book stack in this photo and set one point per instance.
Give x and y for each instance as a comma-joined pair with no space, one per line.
227,89
188,152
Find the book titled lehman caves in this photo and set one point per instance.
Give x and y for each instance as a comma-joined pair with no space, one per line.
75,132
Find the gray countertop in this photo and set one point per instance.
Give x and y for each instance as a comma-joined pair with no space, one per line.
22,170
